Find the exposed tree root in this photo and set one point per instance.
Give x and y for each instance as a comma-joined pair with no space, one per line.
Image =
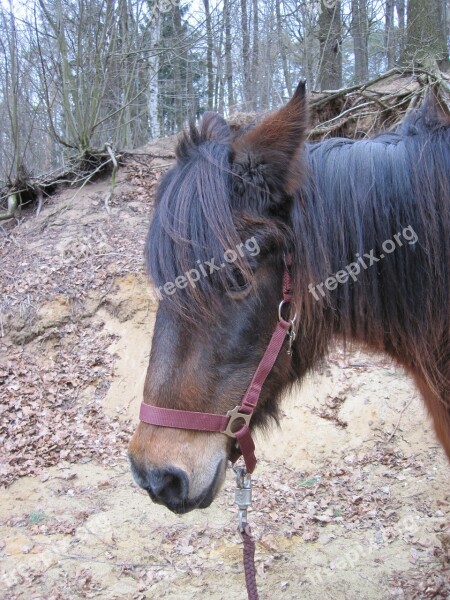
362,110
11,209
377,105
354,112
78,172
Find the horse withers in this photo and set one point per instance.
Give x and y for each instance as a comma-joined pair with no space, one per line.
363,229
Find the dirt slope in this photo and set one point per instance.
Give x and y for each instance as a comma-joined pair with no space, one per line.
352,495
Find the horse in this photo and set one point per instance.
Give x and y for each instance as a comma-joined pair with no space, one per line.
362,228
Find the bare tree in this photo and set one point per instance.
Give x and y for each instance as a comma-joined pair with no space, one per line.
153,37
22,119
283,49
246,61
426,38
11,91
360,34
78,75
389,34
209,54
400,6
255,57
227,7
92,71
330,37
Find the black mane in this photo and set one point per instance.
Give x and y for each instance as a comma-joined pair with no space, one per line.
193,221
360,194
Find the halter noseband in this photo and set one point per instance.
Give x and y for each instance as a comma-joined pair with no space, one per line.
235,423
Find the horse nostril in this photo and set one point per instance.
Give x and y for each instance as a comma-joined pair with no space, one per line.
168,486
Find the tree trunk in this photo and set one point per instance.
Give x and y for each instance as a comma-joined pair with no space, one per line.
307,37
209,54
192,105
330,64
389,35
153,88
426,35
255,58
123,137
401,16
282,48
178,72
360,34
228,57
219,84
247,76
12,97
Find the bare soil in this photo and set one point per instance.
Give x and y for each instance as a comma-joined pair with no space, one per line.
352,493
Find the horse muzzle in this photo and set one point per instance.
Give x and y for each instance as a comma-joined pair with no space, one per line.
170,487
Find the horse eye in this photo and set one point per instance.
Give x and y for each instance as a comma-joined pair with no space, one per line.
239,286
239,282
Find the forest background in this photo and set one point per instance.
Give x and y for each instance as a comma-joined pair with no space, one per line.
84,78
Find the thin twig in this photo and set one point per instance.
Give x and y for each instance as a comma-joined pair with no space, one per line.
394,431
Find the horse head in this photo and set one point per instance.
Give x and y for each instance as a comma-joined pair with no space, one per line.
216,250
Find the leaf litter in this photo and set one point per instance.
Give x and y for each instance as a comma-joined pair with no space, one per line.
58,271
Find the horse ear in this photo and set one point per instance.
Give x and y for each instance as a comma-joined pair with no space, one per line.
267,156
436,112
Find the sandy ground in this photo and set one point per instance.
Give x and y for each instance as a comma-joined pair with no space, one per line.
351,495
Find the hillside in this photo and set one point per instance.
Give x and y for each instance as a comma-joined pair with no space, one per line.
352,500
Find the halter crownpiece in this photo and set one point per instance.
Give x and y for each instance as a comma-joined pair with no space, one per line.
236,423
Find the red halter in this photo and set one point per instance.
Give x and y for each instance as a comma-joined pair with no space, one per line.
236,422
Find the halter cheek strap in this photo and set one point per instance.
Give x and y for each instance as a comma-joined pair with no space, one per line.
236,422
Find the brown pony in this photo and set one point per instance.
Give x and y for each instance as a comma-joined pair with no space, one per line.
367,224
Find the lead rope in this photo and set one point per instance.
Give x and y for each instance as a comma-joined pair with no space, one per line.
243,498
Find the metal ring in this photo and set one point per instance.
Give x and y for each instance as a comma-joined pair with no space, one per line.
280,317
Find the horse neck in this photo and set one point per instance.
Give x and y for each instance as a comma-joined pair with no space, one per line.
360,198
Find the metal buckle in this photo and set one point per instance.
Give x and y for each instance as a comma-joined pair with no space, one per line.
235,415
